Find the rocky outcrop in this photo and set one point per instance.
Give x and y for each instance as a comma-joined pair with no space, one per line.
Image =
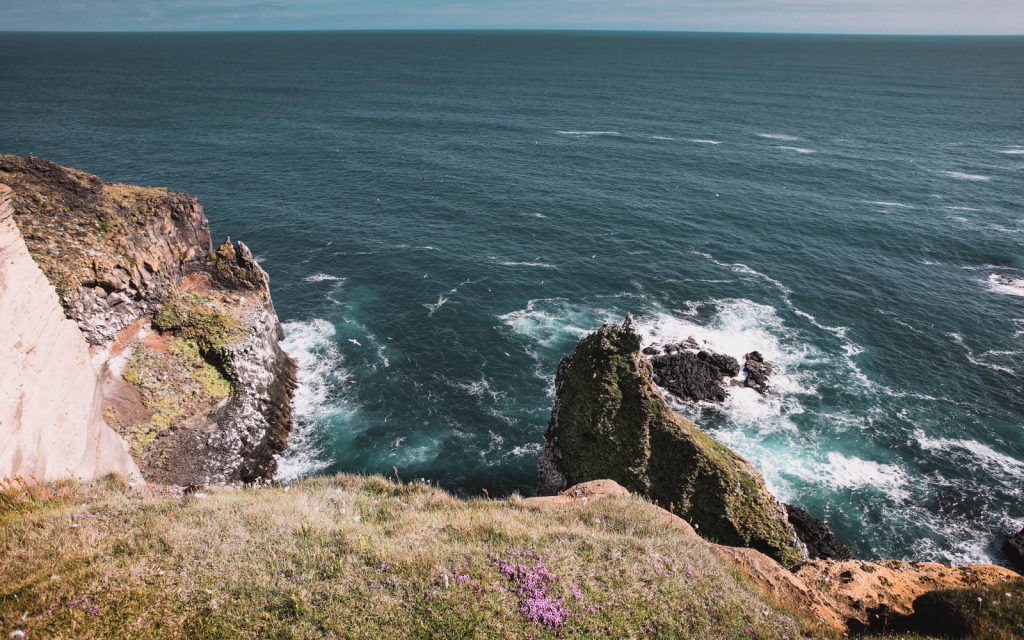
695,374
610,421
817,535
1013,547
841,596
186,337
858,593
51,409
757,372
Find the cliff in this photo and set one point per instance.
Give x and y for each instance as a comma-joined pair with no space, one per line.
51,408
611,421
365,557
184,338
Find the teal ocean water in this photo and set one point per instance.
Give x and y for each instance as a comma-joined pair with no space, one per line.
444,215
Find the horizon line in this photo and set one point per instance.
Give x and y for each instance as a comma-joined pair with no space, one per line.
523,30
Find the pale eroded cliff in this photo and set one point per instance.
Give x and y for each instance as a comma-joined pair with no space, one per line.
51,408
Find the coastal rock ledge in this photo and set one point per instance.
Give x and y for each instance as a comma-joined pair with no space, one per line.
610,421
183,339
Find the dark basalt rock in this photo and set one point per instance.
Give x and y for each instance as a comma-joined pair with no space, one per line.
1013,547
694,376
817,535
758,372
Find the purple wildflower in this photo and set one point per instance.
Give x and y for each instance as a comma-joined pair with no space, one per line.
532,584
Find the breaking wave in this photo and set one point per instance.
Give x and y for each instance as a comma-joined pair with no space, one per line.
320,375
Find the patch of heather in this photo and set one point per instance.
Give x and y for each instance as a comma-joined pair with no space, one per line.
536,585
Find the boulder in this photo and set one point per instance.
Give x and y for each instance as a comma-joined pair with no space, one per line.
693,376
610,421
758,372
1013,547
817,535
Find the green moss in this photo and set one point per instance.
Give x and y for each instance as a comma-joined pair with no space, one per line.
175,386
195,317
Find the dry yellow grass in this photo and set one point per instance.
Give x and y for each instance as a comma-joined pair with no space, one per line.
358,557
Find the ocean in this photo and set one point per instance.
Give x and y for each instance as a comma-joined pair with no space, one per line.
443,216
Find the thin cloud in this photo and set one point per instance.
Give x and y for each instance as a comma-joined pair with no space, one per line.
823,16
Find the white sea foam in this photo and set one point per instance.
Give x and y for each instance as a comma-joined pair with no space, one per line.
551,321
432,307
971,177
888,205
320,374
787,293
960,208
983,455
539,265
737,327
589,133
522,450
662,138
1006,285
784,137
851,472
1013,151
802,150
705,141
985,359
553,324
323,277
479,388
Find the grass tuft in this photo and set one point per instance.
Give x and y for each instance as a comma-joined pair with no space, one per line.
357,557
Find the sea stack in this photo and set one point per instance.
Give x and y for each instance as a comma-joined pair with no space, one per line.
610,421
183,340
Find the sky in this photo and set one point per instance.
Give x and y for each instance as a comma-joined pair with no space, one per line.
980,17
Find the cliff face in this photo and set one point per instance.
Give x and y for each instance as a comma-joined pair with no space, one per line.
51,409
610,421
185,337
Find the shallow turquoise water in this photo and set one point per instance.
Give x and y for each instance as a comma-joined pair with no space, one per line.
444,215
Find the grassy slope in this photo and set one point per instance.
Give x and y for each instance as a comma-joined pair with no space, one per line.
356,557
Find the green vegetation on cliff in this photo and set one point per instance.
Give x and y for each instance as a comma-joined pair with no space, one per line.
175,384
355,557
195,317
610,421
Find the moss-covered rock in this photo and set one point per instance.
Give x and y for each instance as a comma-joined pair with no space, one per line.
611,421
196,317
176,384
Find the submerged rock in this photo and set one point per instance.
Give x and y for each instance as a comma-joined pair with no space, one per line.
817,535
610,421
